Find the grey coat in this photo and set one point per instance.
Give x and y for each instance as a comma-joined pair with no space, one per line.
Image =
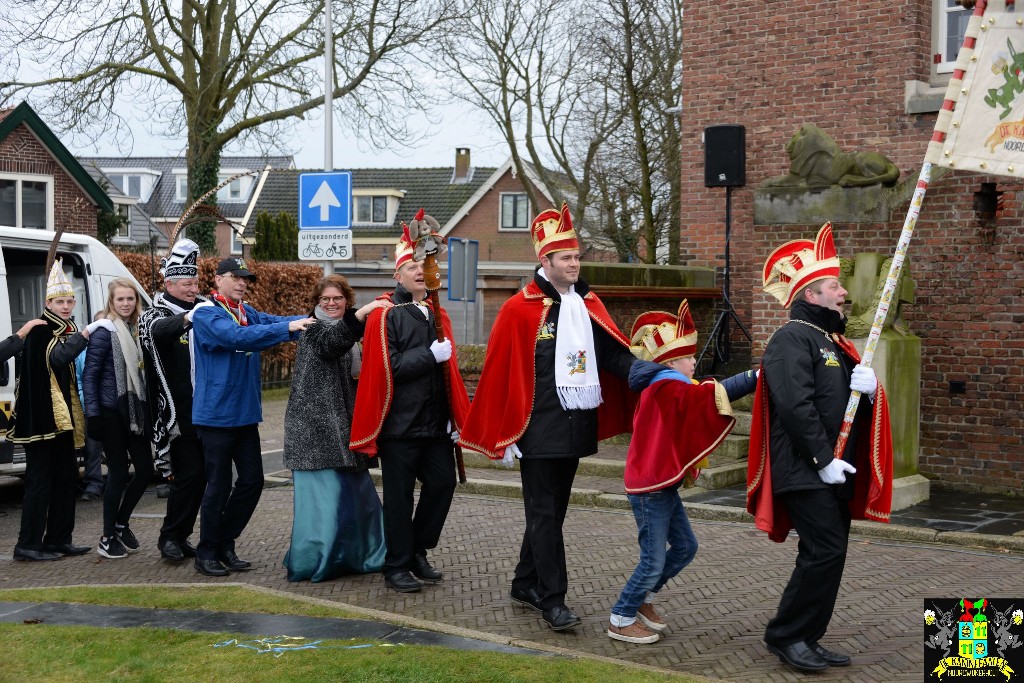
318,420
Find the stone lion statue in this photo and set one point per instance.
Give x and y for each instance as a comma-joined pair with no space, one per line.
865,277
817,163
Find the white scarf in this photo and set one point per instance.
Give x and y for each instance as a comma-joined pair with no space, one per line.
124,343
576,378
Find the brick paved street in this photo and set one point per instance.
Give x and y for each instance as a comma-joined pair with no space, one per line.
716,609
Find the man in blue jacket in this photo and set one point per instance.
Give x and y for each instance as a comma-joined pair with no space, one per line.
227,409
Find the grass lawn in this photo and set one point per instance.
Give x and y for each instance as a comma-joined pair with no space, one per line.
39,652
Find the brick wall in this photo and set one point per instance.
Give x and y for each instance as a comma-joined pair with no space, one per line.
842,67
21,152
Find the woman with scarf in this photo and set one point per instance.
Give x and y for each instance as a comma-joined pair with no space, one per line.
114,389
337,528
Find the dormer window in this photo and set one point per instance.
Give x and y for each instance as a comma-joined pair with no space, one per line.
372,209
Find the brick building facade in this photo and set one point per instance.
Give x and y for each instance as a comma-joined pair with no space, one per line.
849,68
34,164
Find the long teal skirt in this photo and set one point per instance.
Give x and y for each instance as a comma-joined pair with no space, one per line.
338,527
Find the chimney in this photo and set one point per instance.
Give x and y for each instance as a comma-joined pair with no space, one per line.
462,167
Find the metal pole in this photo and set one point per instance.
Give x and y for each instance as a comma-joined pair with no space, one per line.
465,292
328,101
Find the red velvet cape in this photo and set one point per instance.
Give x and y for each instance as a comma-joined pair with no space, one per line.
503,401
872,494
376,387
677,425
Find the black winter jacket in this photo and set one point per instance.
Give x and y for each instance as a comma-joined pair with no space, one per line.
99,384
808,380
554,432
419,408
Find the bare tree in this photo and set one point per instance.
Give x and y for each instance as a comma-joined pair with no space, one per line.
578,90
218,71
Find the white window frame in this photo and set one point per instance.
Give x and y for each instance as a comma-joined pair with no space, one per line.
19,178
125,212
501,212
236,241
372,197
180,187
940,12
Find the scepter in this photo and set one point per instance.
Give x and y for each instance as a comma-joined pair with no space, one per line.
432,279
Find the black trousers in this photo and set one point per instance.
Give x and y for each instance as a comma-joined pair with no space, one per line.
123,491
226,510
188,483
822,520
51,486
408,532
547,485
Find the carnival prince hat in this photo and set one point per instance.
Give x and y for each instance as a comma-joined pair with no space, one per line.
659,336
57,283
552,231
797,264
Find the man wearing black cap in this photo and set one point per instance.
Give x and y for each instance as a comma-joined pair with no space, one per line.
228,335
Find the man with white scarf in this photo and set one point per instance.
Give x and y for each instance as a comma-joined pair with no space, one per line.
541,398
165,332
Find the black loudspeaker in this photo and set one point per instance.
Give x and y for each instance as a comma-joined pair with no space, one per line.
725,156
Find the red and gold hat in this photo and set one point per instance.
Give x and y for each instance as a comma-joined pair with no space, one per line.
797,264
552,231
404,248
659,336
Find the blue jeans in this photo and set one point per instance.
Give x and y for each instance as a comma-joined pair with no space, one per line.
227,509
667,544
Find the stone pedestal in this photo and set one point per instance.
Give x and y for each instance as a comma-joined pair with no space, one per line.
897,364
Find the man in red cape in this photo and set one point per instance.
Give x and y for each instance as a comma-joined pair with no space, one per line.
793,480
553,383
404,413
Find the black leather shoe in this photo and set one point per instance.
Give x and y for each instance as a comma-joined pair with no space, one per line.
560,618
422,570
232,561
403,582
831,657
187,549
799,656
210,567
527,598
67,549
170,550
26,555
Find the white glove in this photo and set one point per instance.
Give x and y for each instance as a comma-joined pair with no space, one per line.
442,350
190,313
105,323
863,380
835,471
454,433
512,453
757,373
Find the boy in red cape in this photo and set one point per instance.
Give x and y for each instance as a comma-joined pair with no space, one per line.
678,423
793,480
404,414
552,384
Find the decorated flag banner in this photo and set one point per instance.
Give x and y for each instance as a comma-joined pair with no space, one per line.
984,129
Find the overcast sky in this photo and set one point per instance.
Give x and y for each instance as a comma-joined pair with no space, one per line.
459,127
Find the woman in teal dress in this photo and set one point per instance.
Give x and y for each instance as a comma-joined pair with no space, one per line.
337,528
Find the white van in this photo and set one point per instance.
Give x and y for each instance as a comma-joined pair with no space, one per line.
89,265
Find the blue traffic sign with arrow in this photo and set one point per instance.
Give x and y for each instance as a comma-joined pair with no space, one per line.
325,201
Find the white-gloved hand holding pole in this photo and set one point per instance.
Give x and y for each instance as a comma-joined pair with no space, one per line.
442,350
863,380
